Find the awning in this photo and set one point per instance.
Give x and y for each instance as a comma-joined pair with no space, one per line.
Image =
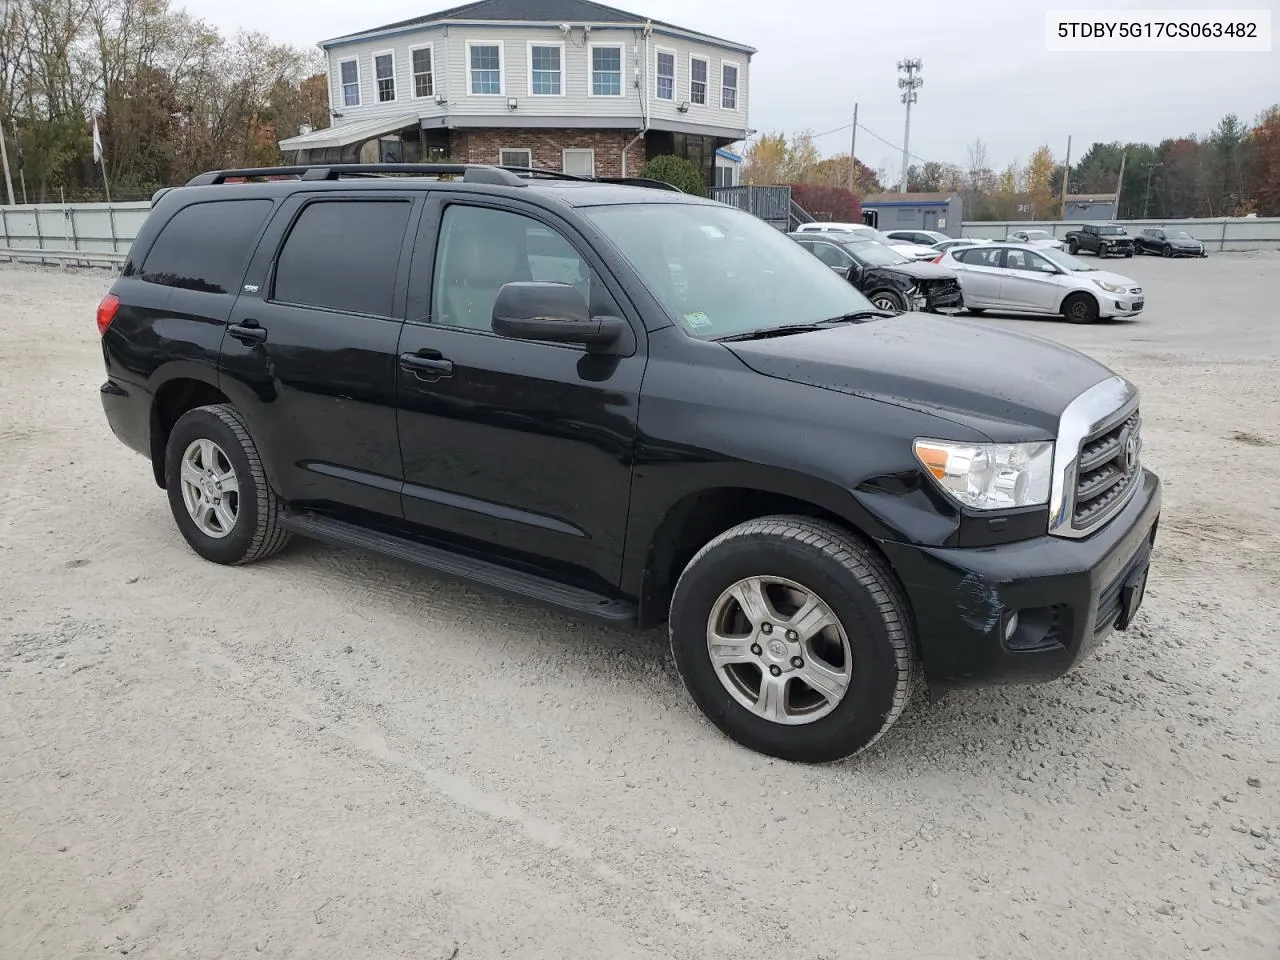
349,133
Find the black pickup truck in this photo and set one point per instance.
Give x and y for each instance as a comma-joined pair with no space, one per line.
1103,239
638,406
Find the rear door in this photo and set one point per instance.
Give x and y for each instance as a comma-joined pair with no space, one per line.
980,274
310,353
514,447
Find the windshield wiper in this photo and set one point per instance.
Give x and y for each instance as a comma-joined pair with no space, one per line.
858,316
766,332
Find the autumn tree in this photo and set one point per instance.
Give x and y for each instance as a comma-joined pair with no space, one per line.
764,159
1265,163
1038,178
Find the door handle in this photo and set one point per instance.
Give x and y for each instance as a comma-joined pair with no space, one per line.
427,364
247,331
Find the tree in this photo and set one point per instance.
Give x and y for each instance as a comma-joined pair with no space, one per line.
1039,185
678,172
1265,162
764,158
834,172
801,157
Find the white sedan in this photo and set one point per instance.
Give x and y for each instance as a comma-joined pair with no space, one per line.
1037,239
1014,278
912,251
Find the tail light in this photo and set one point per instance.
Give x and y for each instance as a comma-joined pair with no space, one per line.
107,312
938,258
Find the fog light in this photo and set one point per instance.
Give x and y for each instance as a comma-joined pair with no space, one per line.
1011,626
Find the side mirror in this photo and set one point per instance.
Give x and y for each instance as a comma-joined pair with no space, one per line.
854,273
550,313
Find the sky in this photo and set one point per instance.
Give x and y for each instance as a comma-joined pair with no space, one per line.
987,74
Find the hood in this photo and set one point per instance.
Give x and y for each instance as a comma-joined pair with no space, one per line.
963,372
922,270
1184,242
1107,276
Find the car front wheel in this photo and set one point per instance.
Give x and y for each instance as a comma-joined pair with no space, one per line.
1080,308
794,638
885,300
218,490
1073,248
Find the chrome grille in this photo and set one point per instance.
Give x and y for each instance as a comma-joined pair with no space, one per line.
1109,467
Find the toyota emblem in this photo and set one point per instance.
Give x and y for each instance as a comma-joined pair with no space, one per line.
1131,452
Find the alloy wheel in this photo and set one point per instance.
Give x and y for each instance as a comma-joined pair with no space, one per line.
210,488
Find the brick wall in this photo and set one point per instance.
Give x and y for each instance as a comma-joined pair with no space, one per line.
483,146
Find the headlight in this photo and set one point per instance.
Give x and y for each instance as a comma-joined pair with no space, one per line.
1109,287
989,476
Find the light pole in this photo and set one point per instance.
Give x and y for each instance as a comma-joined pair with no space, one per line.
908,85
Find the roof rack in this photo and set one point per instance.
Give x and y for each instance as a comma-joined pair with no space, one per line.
508,176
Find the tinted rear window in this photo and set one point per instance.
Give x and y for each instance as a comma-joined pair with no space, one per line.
342,255
206,246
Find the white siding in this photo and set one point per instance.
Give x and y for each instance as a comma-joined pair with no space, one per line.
452,78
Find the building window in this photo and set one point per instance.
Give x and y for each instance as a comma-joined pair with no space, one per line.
515,157
349,72
424,81
698,80
729,86
384,73
726,176
545,69
606,71
666,75
579,162
486,68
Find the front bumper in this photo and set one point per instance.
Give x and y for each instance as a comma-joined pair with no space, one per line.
1069,595
1121,305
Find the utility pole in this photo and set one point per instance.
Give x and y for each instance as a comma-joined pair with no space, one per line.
1120,183
4,161
1146,194
853,158
1066,176
908,85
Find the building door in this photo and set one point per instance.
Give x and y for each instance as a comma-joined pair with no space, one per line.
931,219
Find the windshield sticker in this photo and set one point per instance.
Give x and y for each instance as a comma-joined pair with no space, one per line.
698,320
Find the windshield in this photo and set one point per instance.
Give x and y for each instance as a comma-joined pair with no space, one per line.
719,271
1066,261
1180,235
1110,231
873,254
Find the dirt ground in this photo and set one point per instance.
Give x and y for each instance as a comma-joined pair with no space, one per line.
329,755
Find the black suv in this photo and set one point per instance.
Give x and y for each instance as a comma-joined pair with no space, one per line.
889,280
636,405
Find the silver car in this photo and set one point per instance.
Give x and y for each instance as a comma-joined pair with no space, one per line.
1037,239
1014,278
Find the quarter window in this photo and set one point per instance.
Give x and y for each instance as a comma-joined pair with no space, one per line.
349,71
342,255
384,72
729,86
544,70
606,71
206,246
666,75
486,69
423,73
697,80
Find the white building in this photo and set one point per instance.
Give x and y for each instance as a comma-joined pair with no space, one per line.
568,85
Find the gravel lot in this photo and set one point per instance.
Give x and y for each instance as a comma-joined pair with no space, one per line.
330,755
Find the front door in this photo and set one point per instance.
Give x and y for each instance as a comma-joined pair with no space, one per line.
518,447
309,357
1030,282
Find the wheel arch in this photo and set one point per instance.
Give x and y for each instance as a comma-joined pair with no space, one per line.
1062,304
173,399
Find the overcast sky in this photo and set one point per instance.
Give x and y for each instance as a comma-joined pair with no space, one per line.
986,72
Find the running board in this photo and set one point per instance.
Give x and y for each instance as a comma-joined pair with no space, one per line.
457,566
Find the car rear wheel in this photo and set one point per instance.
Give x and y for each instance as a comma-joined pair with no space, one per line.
886,300
218,490
1080,308
794,638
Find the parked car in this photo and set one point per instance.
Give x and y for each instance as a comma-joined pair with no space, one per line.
923,238
819,501
944,245
1037,239
890,281
912,251
1017,279
1168,243
1103,239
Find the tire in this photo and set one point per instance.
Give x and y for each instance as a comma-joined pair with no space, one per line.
1137,250
1080,308
1167,251
871,627
887,300
1128,254
205,441
1073,248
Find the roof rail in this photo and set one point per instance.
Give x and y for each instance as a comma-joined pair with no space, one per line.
470,172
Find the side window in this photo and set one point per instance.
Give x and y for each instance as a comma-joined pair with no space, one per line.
206,246
481,249
1017,260
342,255
833,256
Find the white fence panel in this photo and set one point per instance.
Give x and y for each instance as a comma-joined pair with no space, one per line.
1234,233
